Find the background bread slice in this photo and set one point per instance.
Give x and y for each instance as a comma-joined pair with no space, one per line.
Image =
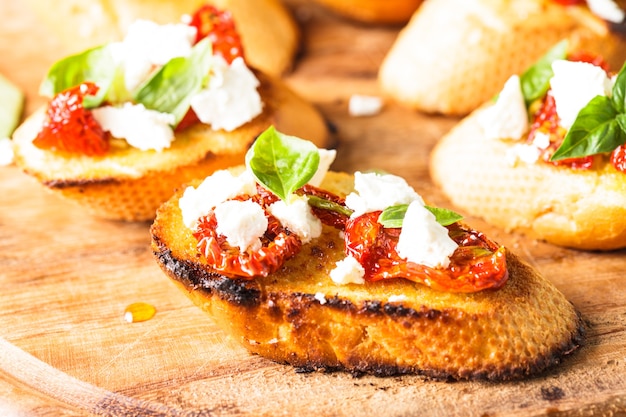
584,209
130,184
374,11
268,32
452,62
298,316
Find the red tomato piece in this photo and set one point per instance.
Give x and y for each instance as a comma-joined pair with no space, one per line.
219,27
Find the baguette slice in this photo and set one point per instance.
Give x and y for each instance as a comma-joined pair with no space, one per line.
452,62
269,34
374,11
130,184
298,316
583,209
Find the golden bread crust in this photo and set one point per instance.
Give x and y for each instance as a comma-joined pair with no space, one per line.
298,316
374,11
451,63
130,184
269,34
583,209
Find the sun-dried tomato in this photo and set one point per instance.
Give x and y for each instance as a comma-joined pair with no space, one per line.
328,217
618,158
477,264
219,27
570,2
69,127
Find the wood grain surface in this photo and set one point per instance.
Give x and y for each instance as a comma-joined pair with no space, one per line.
66,278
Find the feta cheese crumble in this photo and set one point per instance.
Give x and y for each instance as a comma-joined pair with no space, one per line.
215,189
607,10
242,223
376,192
507,118
297,217
423,240
231,98
348,271
6,152
327,157
361,105
573,85
141,128
320,297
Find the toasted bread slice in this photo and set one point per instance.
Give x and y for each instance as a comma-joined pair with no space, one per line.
130,184
583,209
374,11
268,32
451,63
300,317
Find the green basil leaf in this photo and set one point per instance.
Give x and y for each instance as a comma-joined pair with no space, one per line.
96,65
618,97
324,204
171,88
282,163
595,130
393,217
535,80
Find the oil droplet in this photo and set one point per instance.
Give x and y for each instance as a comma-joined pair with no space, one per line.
137,312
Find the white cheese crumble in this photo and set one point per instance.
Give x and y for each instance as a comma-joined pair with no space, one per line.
231,98
6,152
242,223
222,185
507,118
528,153
573,85
297,217
423,240
376,192
361,105
148,45
348,271
396,298
607,10
320,297
541,140
141,128
327,157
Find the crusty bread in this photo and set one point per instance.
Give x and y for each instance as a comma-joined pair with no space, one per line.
269,34
130,184
300,317
584,209
452,62
374,11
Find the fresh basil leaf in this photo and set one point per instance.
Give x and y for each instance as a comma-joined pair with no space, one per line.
393,217
96,65
282,163
171,88
618,97
535,81
595,130
324,204
445,217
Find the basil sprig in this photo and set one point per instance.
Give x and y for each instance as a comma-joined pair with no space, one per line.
535,81
171,88
599,127
282,163
96,65
393,216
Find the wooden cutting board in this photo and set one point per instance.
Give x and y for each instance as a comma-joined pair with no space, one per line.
66,278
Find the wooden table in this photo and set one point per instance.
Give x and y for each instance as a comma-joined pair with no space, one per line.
65,279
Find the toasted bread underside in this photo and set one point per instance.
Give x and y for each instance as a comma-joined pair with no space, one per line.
451,63
583,209
269,34
130,184
300,317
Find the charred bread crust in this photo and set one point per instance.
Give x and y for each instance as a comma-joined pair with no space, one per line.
299,317
582,209
130,184
451,63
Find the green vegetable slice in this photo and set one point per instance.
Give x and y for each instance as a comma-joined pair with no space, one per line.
11,106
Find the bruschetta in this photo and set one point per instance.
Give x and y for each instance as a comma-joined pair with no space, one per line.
455,55
547,157
324,270
130,121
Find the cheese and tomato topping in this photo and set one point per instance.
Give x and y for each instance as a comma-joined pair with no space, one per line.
245,233
160,77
